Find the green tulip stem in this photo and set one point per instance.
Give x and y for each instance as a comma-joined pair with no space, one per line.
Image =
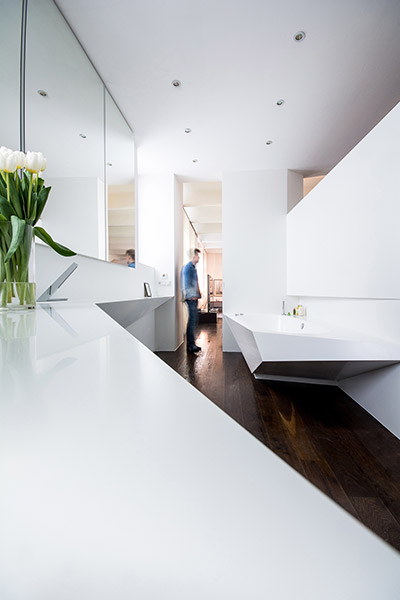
8,286
29,195
3,274
8,188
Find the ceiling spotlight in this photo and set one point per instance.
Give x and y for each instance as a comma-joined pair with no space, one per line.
176,83
195,160
269,142
299,36
82,135
188,130
280,102
42,93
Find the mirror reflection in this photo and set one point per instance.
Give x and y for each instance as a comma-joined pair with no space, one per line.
10,32
75,123
65,121
120,179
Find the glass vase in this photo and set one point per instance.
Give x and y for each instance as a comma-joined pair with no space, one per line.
17,275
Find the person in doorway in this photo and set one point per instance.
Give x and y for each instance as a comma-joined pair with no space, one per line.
130,258
191,294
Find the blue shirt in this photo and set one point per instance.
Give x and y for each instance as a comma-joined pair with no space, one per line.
132,264
189,282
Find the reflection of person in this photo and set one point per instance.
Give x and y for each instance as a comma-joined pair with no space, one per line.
191,294
130,258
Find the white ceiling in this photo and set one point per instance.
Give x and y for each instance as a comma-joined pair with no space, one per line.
235,58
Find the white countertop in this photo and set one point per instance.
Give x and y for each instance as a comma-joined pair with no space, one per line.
120,481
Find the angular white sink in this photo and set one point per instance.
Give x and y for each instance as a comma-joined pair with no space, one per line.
127,312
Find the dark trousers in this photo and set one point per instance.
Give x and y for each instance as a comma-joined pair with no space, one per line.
192,322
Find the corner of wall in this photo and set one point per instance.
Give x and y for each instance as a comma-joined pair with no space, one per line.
294,189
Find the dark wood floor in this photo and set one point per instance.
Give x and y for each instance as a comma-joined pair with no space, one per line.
318,430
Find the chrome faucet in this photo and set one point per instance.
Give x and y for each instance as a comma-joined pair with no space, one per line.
47,294
283,308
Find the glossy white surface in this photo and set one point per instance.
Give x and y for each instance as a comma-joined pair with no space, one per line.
281,324
269,338
120,480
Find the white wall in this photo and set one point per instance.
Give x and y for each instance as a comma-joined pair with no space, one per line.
159,210
254,207
214,264
75,214
343,238
377,391
155,199
178,239
343,241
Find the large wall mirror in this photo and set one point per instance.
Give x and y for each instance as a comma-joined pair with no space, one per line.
65,121
73,120
120,179
10,35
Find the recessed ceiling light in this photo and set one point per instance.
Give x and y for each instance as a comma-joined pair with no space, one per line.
269,142
109,164
188,130
42,93
299,36
195,160
82,135
280,102
176,83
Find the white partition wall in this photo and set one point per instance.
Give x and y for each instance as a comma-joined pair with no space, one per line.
254,207
344,256
159,211
343,238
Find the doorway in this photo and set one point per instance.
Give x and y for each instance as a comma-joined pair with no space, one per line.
202,228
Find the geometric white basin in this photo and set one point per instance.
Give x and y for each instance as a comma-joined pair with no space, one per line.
127,312
285,348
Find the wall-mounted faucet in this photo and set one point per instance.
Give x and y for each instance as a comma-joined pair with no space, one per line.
47,294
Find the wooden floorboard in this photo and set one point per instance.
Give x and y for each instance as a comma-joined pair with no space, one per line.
318,430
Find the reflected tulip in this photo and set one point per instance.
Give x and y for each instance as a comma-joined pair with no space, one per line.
10,163
20,159
34,162
5,150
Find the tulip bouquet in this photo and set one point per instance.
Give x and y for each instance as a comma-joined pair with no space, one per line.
23,197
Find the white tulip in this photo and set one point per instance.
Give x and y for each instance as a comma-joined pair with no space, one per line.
34,162
5,150
2,160
11,163
20,159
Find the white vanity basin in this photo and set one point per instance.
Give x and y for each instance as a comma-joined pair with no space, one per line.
294,349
